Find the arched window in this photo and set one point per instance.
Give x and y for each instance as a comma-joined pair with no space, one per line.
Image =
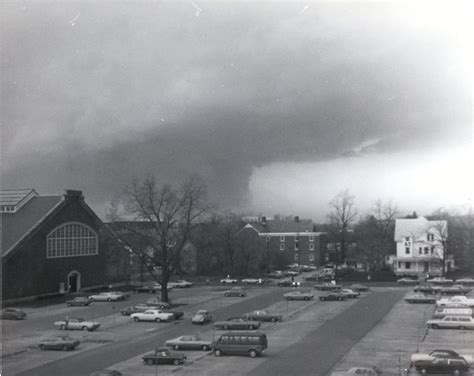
70,240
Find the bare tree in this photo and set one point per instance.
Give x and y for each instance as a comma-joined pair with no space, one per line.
343,213
163,220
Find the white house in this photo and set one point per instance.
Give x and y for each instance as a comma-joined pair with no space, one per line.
420,247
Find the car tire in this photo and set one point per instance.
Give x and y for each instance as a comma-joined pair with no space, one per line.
423,371
205,348
136,319
62,327
241,295
251,327
176,347
273,319
435,326
158,319
85,328
65,348
226,294
462,328
253,353
456,372
176,362
340,299
226,327
124,314
108,299
322,298
150,362
68,304
306,298
217,352
42,347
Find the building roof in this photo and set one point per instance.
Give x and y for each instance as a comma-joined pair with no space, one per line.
283,226
15,226
417,227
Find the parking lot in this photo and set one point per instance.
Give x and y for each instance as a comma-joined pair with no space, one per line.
388,345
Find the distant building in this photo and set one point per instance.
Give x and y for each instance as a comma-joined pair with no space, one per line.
55,244
286,241
420,247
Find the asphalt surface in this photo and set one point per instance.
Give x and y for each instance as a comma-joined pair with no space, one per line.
321,349
83,363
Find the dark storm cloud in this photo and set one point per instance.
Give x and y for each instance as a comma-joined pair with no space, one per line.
95,93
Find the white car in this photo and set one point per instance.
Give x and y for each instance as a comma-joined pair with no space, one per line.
152,315
252,281
458,299
440,281
106,297
452,322
181,284
229,281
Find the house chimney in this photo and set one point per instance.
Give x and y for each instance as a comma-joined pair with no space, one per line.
73,195
264,220
297,218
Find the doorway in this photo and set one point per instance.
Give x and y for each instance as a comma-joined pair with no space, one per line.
74,281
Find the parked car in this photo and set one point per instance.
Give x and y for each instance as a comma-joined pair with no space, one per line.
150,288
420,298
64,343
450,366
229,281
465,281
237,323
164,355
427,289
312,278
327,286
252,281
290,273
419,360
79,301
155,302
261,315
77,324
441,312
201,317
365,371
359,287
407,281
127,311
235,292
177,314
189,342
349,293
467,302
276,274
106,297
288,283
298,295
452,322
13,314
152,315
252,344
440,281
181,284
455,290
333,296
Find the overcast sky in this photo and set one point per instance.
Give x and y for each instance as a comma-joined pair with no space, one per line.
278,105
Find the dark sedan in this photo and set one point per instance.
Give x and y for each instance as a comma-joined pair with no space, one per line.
235,292
420,298
288,283
449,366
164,355
64,343
262,316
333,296
79,301
237,323
427,289
455,290
359,288
177,314
13,314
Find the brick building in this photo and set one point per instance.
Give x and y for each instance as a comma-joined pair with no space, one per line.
55,244
285,241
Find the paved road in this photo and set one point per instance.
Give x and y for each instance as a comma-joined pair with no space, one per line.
321,349
84,363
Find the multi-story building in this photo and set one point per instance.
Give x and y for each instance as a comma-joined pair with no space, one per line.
421,244
285,242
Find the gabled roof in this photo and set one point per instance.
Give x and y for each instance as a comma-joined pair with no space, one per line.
15,226
283,226
417,227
